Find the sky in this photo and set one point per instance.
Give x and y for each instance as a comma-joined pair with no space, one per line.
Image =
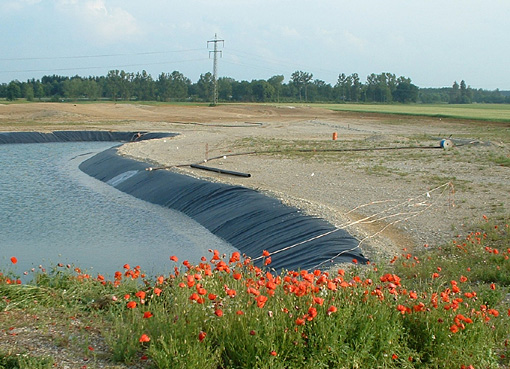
433,42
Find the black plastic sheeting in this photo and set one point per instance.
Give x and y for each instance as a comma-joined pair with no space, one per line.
245,218
78,136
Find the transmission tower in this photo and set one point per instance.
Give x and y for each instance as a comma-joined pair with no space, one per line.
215,53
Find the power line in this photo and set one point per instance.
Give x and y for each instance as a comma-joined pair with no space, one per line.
282,62
100,67
97,55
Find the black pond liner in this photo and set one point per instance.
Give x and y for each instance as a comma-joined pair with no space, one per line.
245,218
77,136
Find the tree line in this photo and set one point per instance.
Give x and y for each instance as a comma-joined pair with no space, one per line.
302,87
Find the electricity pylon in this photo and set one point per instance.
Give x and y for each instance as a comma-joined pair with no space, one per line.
215,65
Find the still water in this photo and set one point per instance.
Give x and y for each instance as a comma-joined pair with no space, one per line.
51,212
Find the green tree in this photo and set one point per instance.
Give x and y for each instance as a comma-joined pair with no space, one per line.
126,85
466,93
405,91
172,86
319,90
91,89
72,88
205,87
301,80
241,91
355,87
455,94
225,88
38,89
13,91
113,84
144,86
28,92
180,85
341,88
276,82
262,90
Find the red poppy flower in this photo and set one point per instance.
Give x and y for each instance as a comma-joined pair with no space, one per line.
126,266
402,309
157,291
144,338
268,261
174,258
332,309
312,312
454,328
201,336
218,312
140,295
235,257
265,253
147,315
273,353
300,321
131,304
14,260
201,290
318,300
261,300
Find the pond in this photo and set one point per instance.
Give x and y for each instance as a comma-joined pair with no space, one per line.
51,213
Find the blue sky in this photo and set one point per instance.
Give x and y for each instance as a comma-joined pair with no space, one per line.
434,42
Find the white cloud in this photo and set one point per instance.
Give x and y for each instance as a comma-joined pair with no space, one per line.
16,5
358,42
287,31
103,23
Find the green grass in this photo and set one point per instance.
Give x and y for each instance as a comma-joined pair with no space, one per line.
409,312
24,361
489,112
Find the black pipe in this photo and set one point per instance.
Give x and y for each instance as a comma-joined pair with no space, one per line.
221,171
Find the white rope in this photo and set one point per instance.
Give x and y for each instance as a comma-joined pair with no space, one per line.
380,216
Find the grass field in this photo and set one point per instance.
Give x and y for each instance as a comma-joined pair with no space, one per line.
490,112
